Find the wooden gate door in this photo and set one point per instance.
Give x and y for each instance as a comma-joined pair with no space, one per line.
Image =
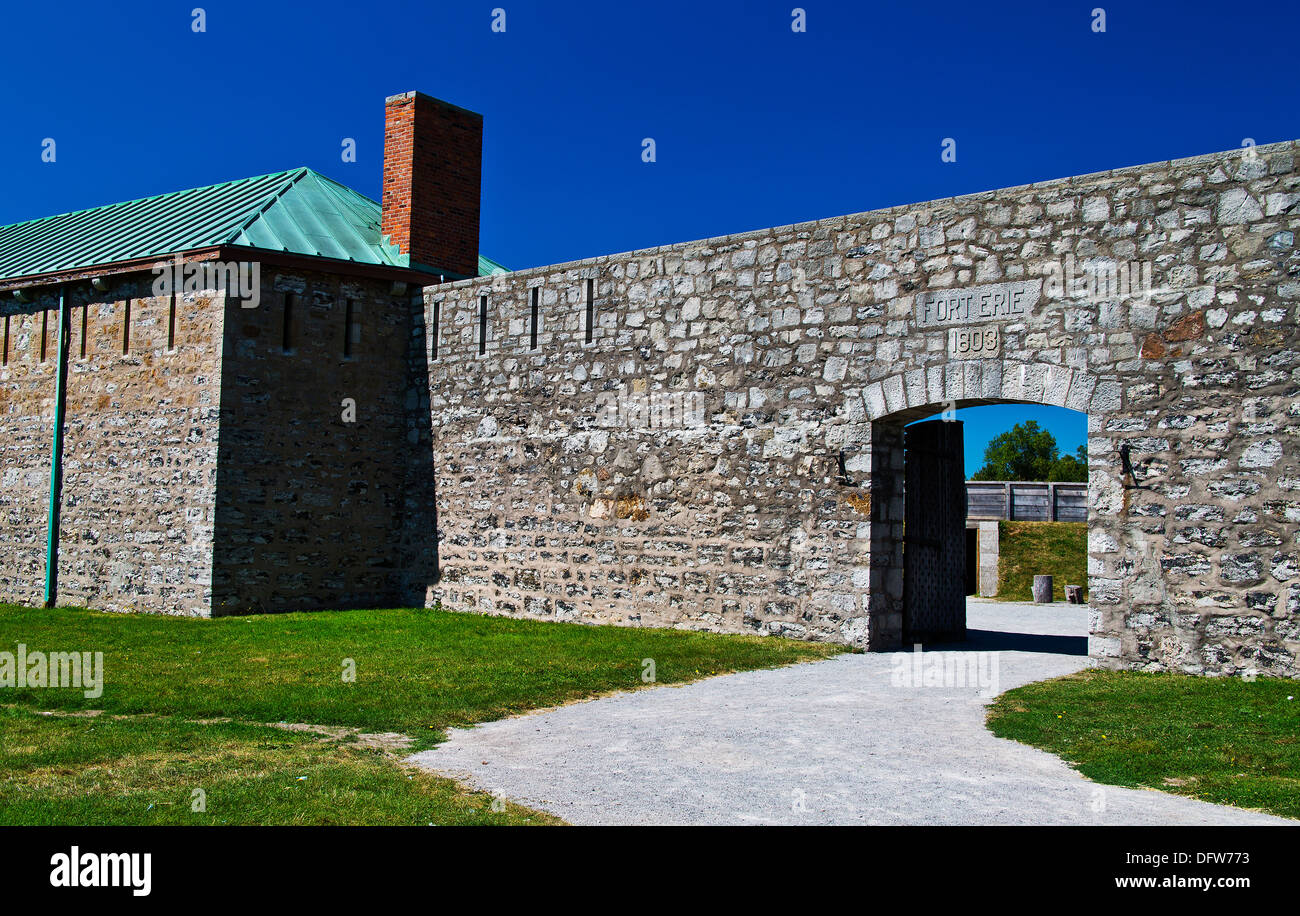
934,538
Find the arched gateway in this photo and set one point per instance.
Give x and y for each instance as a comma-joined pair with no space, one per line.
1160,300
916,596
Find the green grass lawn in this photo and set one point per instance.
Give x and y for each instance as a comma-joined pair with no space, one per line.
1222,740
417,672
1028,549
102,770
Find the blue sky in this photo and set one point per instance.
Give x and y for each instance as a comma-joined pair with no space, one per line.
755,125
981,424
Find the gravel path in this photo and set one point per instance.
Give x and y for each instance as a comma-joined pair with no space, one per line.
841,741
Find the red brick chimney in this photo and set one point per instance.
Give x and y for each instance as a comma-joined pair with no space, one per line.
433,155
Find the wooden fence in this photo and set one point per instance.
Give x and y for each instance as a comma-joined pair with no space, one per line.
1026,501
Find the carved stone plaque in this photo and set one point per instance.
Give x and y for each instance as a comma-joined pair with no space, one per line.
975,343
938,308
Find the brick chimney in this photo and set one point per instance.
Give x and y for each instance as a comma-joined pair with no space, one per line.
433,154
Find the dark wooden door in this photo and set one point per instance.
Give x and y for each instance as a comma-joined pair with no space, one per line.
934,539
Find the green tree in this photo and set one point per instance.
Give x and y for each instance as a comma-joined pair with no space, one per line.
1070,468
1029,452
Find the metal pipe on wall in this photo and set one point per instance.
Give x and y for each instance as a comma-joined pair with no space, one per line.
56,456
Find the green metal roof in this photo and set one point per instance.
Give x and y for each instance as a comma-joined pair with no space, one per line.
487,267
299,211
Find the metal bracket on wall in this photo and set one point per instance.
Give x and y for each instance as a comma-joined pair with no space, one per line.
1129,476
844,472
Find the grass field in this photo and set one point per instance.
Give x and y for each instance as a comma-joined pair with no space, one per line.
1027,549
1222,740
105,770
135,754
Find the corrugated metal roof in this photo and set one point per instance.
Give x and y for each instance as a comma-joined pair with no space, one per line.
299,211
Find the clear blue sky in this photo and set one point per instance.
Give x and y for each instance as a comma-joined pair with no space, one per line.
981,424
754,124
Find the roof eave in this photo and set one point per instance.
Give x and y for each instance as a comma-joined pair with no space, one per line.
75,274
225,253
328,265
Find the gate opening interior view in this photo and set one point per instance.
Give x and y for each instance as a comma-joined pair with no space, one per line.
939,535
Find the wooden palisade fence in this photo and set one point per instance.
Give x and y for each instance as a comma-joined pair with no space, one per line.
1026,501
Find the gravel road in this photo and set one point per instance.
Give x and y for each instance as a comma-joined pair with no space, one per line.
847,740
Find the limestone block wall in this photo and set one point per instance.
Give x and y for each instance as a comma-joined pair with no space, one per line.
1160,299
318,455
140,446
140,449
674,471
26,427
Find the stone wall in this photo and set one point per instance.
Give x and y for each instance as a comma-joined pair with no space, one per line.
140,448
765,493
26,424
644,477
140,451
319,454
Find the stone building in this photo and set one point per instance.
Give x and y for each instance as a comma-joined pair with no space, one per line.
243,437
713,434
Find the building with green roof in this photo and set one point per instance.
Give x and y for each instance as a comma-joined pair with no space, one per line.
211,399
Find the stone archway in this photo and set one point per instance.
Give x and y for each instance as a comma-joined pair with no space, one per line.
908,396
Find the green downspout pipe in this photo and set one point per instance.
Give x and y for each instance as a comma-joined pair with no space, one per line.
56,457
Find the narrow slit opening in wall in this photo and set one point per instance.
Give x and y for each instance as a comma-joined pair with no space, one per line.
171,323
591,309
81,343
126,327
532,338
286,341
482,325
348,318
45,331
6,357
433,331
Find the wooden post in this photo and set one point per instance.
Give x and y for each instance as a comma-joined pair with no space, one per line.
1042,589
1074,594
1051,502
1010,509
